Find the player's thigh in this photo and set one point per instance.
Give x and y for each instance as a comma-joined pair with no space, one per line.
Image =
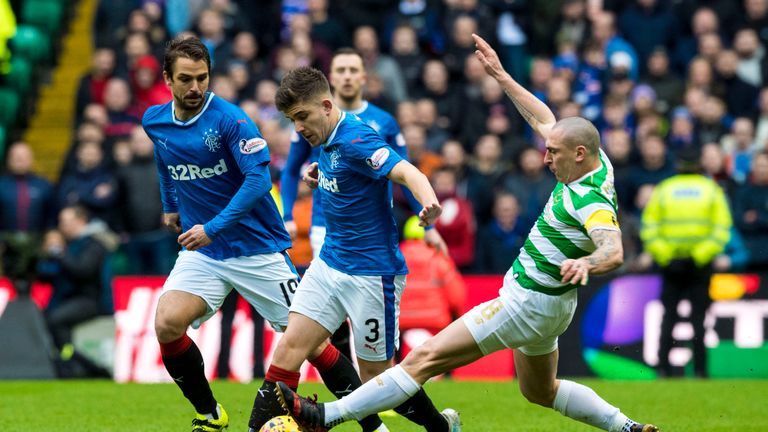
194,291
520,318
267,281
302,336
452,347
373,306
317,296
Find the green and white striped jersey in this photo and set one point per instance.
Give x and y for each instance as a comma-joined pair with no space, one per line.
562,230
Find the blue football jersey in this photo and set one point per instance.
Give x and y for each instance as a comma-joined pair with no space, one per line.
361,235
302,152
204,165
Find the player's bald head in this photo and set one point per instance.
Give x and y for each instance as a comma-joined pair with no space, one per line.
578,131
300,85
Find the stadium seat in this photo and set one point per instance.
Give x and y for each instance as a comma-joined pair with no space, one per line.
43,14
31,43
20,76
9,101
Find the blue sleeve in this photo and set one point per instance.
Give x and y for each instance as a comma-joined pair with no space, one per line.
369,154
397,142
251,154
167,191
289,178
257,184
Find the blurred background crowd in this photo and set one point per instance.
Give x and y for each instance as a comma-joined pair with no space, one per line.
655,76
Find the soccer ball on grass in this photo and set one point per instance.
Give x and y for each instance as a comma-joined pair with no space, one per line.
283,423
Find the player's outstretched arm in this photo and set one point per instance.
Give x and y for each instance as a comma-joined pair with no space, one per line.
608,256
409,176
534,111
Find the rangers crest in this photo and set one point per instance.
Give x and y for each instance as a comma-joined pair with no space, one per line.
212,140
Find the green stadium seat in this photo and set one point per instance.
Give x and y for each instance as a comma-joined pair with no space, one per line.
43,14
31,43
9,103
20,76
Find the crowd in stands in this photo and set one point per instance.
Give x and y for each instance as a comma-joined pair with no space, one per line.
655,76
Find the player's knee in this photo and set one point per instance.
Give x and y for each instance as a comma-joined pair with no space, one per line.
423,360
169,328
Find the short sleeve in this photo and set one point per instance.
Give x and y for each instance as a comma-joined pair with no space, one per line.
369,154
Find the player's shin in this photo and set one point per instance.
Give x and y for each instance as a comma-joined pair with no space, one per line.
266,405
581,403
386,391
184,363
341,378
420,410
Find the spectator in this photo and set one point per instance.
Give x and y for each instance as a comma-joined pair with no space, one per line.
751,53
91,185
426,117
367,44
326,28
588,84
532,185
75,270
750,206
420,156
710,46
210,26
713,165
484,176
738,147
423,18
122,114
150,248
499,241
92,84
740,97
712,120
682,131
147,84
647,24
460,44
406,52
245,49
434,293
686,224
761,124
457,223
27,209
604,33
654,166
436,85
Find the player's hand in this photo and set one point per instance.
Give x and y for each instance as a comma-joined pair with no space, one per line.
488,58
429,214
194,238
172,222
575,271
290,226
433,239
311,175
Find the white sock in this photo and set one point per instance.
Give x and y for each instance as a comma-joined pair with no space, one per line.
385,391
581,403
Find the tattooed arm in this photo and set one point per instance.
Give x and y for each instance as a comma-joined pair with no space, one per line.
608,256
534,111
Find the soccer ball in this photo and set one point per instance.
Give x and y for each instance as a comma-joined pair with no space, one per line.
281,423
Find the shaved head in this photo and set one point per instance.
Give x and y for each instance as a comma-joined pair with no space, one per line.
579,131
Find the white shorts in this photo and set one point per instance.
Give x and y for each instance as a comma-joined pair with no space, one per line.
267,281
316,239
372,304
520,318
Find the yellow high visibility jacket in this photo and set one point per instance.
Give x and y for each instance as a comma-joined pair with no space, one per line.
7,30
686,217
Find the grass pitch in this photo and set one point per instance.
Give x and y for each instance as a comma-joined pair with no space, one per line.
675,405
